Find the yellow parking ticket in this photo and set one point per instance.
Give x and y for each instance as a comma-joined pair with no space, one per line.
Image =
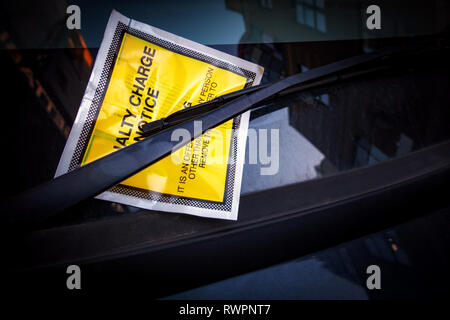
142,74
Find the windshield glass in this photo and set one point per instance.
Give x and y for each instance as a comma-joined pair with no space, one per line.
305,135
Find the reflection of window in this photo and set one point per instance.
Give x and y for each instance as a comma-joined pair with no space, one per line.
267,56
324,98
320,22
311,13
300,14
367,153
266,3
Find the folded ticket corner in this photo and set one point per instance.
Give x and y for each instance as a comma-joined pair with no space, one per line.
142,74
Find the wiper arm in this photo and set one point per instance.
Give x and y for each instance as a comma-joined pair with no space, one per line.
195,111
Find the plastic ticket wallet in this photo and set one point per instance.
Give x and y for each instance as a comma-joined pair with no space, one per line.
142,74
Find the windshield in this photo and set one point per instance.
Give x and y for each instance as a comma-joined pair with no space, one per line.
303,136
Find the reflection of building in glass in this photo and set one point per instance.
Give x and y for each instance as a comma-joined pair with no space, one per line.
371,120
45,70
324,20
355,126
266,4
273,33
289,21
278,28
312,14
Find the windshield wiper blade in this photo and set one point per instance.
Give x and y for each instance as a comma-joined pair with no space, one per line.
195,111
198,110
31,208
